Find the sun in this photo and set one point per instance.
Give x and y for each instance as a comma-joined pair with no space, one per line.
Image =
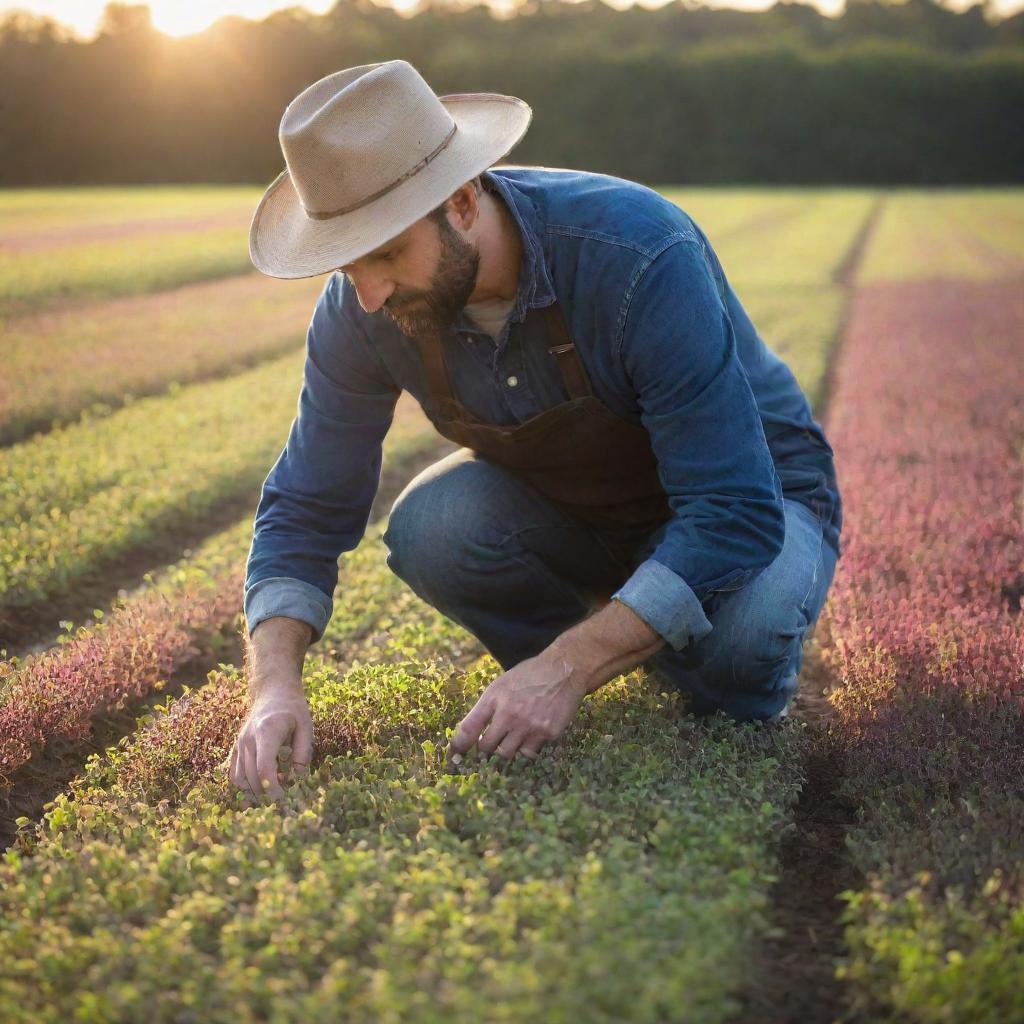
182,19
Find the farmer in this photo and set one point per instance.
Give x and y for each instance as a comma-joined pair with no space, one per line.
639,478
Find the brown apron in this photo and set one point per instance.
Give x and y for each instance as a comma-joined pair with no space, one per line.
596,465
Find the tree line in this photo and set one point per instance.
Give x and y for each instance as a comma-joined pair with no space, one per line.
909,93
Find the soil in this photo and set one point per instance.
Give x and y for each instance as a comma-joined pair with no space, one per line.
845,275
794,980
795,973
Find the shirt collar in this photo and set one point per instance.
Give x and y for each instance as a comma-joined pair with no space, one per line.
535,288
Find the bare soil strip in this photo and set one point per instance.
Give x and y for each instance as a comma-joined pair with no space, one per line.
845,275
796,982
47,774
846,272
795,975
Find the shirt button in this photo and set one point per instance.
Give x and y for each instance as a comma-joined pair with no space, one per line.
512,381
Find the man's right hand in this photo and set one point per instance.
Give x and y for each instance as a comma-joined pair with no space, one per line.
273,721
279,712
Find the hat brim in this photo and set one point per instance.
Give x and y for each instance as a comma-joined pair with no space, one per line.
284,242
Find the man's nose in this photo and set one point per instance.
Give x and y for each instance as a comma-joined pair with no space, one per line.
372,292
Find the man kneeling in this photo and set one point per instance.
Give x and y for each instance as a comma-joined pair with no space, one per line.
639,479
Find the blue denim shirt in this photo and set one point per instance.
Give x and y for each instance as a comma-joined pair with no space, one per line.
666,343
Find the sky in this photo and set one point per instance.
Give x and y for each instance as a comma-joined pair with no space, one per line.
182,17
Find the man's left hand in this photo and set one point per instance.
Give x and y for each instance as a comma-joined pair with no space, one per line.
529,705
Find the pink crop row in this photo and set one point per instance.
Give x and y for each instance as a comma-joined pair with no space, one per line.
55,695
928,430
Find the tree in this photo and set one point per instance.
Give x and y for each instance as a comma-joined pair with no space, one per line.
125,19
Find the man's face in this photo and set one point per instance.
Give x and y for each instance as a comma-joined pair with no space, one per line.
427,251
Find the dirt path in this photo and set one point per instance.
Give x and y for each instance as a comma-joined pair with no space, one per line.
795,976
796,982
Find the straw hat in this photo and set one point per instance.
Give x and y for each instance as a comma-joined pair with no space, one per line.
369,151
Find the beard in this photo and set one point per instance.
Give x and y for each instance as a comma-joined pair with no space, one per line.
454,281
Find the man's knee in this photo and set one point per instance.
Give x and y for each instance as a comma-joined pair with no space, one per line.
754,638
439,522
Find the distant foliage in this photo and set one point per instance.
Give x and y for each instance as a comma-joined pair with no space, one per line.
887,93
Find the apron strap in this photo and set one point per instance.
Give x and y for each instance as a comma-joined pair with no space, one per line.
575,377
432,353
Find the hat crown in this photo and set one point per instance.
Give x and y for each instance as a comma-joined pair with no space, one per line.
355,134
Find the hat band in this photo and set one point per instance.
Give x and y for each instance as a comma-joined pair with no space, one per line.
416,168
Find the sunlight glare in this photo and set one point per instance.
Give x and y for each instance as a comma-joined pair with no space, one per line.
178,18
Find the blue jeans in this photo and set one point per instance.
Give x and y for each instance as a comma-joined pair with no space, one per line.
494,555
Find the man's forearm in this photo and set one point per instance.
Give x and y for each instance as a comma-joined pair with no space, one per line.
275,653
608,643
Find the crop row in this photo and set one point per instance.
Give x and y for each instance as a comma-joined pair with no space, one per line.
624,873
129,347
128,266
924,627
77,499
31,212
80,497
146,636
378,621
82,264
966,234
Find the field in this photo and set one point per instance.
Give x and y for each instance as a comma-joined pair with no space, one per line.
858,861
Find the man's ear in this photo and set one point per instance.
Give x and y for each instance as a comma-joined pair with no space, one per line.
464,204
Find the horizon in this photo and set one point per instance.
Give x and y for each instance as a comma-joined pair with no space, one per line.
176,19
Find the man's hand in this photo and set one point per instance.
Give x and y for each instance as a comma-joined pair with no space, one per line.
274,657
272,722
529,705
532,703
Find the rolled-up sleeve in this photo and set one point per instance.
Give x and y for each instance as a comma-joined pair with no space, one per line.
678,349
316,500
